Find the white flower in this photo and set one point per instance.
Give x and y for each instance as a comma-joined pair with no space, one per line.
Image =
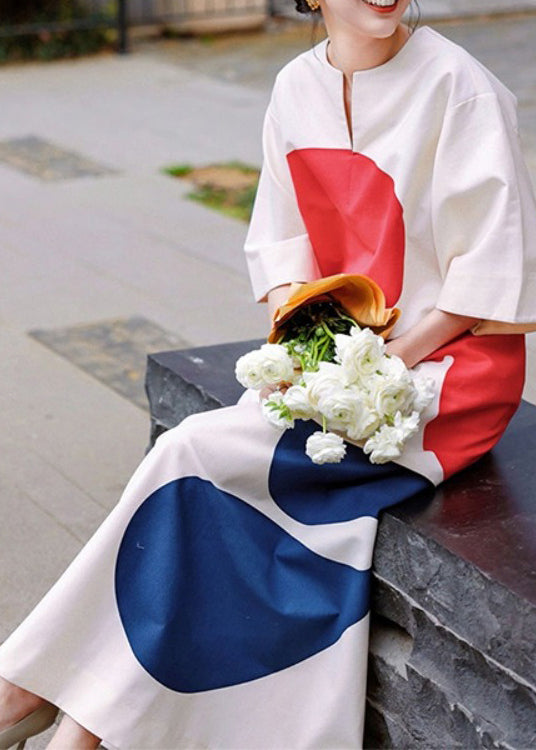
394,367
340,406
383,446
276,411
325,448
276,364
248,370
424,392
329,376
406,427
346,410
390,397
366,421
392,390
387,443
360,354
297,400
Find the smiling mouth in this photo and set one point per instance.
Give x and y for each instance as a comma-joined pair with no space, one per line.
382,6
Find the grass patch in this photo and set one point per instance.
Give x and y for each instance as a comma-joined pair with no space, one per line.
229,187
179,170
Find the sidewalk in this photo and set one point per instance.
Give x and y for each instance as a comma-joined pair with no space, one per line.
84,250
125,243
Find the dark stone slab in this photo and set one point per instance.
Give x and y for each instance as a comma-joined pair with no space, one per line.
453,646
47,161
179,383
415,654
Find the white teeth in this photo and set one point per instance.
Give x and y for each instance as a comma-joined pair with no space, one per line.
381,3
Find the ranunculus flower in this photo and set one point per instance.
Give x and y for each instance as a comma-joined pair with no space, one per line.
320,383
394,367
406,427
341,406
424,392
383,446
297,400
366,422
276,364
360,354
248,370
392,391
276,411
325,448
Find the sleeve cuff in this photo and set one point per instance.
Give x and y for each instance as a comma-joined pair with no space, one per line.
280,263
495,301
489,297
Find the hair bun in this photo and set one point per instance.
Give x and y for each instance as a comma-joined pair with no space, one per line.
303,7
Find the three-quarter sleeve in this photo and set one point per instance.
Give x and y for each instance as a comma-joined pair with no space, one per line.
484,218
277,246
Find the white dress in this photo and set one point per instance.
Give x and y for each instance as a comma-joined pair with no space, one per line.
224,602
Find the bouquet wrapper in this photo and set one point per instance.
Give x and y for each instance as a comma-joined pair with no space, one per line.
360,297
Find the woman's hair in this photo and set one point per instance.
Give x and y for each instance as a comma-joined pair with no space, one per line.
414,12
302,7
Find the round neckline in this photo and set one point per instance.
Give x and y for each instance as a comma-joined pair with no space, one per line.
402,52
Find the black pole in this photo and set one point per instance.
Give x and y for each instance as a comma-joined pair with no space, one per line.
122,27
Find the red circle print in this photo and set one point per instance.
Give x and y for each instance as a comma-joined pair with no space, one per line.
353,218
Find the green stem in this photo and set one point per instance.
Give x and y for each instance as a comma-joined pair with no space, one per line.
323,351
326,329
314,353
346,317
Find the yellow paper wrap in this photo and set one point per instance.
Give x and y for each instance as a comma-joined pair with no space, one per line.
360,297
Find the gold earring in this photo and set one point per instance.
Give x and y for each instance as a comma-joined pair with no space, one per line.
313,4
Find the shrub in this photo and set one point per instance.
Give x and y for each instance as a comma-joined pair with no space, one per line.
43,44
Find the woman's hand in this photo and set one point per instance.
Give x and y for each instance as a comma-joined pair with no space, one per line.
430,333
269,389
276,297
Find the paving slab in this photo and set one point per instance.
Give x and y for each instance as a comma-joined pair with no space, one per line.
112,351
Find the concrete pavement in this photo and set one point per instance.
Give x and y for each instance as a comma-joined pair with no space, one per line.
126,243
82,250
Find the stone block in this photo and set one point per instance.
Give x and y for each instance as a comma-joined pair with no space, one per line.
187,381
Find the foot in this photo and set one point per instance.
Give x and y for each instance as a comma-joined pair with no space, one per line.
15,703
71,736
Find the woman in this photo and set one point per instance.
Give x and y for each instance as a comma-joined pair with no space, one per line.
224,602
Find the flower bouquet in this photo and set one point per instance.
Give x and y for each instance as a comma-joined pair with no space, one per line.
325,360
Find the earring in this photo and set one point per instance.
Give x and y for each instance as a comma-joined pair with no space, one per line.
313,4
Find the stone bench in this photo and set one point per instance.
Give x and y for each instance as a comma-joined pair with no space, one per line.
453,637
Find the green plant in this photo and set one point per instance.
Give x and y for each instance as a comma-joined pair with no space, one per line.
43,44
178,170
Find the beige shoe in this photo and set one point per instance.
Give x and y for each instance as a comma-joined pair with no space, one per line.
35,723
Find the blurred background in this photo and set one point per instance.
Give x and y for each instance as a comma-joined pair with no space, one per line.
130,142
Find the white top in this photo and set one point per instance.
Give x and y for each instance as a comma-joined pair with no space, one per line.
429,196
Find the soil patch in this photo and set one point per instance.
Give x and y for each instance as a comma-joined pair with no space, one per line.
229,188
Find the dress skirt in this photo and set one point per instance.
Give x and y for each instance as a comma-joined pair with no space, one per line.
224,602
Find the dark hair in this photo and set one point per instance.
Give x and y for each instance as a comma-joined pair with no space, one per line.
302,7
414,15
414,18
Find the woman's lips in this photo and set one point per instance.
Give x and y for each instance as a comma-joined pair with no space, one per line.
381,6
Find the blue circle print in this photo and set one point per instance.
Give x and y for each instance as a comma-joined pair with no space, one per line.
333,493
212,593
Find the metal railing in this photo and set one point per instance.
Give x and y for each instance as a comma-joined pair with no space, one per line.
71,15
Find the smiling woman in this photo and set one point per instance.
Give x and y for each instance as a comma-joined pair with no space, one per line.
224,603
